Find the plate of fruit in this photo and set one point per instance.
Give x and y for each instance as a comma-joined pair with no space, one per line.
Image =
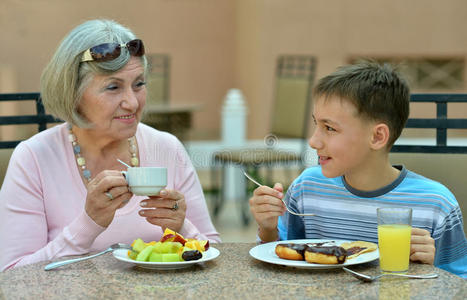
172,251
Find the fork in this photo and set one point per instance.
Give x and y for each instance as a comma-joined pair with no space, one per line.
288,209
367,278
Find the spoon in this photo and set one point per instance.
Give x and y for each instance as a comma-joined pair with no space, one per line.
69,261
367,278
123,163
288,209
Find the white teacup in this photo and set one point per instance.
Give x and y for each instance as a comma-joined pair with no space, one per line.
146,181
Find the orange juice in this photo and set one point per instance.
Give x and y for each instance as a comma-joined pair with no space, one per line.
394,247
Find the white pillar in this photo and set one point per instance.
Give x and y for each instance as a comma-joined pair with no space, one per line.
234,123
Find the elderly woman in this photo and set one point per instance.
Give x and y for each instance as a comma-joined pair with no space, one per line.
64,193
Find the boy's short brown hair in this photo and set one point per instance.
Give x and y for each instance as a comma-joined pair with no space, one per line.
378,92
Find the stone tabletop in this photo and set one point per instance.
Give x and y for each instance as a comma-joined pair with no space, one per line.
232,275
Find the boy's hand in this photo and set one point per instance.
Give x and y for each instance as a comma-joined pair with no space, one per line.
422,246
266,206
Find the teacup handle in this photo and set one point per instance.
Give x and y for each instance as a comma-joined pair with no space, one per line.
125,174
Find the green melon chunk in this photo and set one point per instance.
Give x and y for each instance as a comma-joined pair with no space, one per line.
133,254
144,255
157,247
168,247
139,245
170,257
156,257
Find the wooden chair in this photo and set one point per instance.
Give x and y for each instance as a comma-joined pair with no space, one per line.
290,119
158,85
443,162
40,118
159,113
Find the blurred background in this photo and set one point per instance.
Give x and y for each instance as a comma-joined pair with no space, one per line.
202,49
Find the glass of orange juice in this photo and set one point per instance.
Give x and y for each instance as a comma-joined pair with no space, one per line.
394,230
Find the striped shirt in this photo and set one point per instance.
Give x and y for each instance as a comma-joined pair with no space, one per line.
343,212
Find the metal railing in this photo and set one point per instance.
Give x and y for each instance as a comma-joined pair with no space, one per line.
40,118
441,124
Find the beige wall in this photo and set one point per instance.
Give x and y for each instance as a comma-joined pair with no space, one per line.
335,30
219,44
198,35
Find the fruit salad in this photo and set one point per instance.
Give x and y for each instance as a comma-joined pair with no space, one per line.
172,247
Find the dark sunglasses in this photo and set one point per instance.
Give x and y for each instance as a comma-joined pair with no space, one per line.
110,51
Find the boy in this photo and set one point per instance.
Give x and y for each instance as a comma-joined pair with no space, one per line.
359,112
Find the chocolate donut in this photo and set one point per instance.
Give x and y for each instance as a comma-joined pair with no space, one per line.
291,251
325,254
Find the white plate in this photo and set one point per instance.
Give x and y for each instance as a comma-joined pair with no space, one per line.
266,253
122,254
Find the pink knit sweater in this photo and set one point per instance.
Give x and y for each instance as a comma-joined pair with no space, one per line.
42,200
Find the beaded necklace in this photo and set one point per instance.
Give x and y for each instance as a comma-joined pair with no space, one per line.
134,161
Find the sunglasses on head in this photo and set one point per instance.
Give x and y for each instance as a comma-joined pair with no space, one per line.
110,51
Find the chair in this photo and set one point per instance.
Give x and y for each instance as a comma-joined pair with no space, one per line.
441,123
158,79
441,162
159,113
157,92
290,119
40,118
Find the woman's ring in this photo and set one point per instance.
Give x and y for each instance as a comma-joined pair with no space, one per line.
108,194
175,207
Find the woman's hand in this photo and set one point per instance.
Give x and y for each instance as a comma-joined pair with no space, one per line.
168,210
266,206
107,192
422,246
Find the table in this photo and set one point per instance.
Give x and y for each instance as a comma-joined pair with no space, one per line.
173,118
232,275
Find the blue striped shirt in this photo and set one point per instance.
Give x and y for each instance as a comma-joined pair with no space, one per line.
343,212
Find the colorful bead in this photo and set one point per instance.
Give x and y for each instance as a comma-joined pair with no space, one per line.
82,162
77,149
87,174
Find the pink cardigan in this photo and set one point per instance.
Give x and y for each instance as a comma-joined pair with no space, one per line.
42,200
